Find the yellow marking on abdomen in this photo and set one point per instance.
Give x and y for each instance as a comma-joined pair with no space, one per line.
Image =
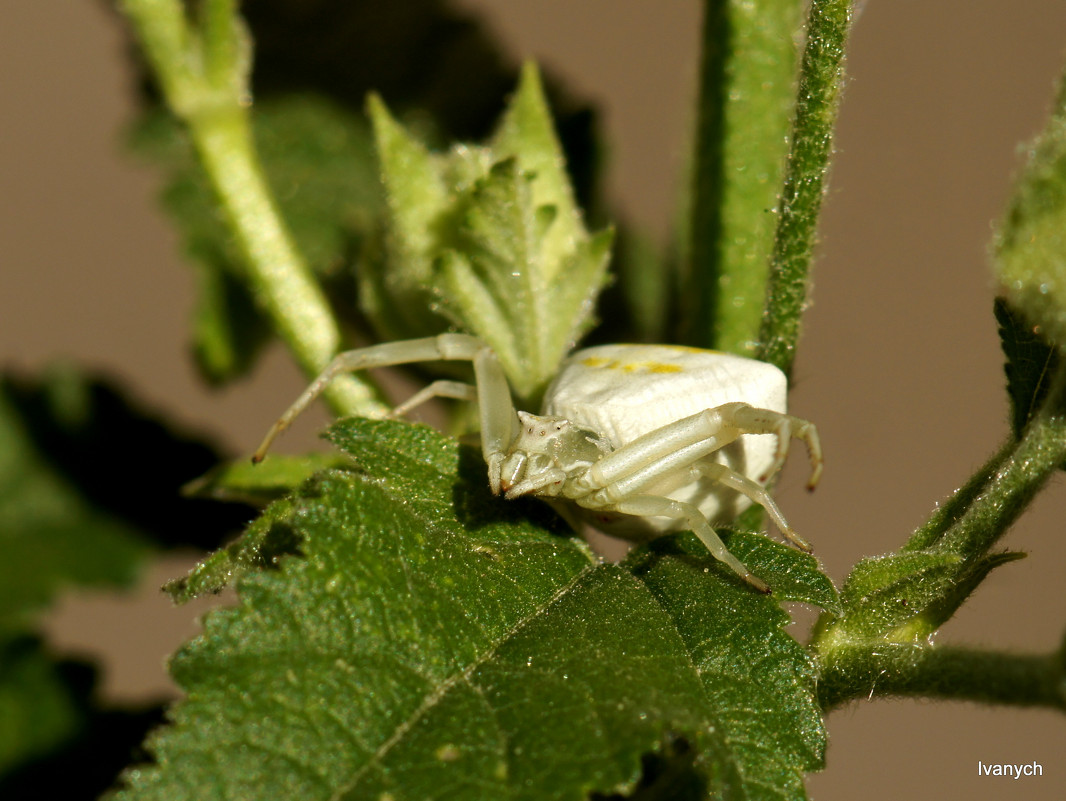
595,362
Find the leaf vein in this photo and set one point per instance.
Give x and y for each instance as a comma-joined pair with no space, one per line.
463,676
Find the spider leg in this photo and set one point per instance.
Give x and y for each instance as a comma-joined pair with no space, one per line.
647,458
630,479
750,420
688,516
757,493
438,389
496,411
532,486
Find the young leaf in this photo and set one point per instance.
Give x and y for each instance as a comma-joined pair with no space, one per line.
942,609
905,596
502,282
526,133
432,638
396,274
883,593
487,239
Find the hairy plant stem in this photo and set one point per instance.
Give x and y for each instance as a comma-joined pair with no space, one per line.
951,511
203,75
982,510
968,525
928,671
818,99
276,271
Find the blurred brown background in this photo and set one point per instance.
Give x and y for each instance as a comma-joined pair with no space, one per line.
900,363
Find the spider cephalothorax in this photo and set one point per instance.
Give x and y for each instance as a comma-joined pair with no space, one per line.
548,456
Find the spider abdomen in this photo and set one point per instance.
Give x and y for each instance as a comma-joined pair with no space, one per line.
625,391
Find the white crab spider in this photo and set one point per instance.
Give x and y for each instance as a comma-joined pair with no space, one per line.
639,439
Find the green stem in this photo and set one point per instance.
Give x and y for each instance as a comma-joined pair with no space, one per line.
225,45
204,79
969,525
745,106
952,510
821,76
1000,492
961,674
276,271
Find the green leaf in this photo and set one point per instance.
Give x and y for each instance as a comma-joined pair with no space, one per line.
433,639
319,163
38,710
941,610
264,543
1031,364
1031,240
268,538
760,685
259,484
486,239
883,593
55,739
56,529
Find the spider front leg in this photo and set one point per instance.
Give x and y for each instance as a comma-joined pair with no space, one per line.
495,409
